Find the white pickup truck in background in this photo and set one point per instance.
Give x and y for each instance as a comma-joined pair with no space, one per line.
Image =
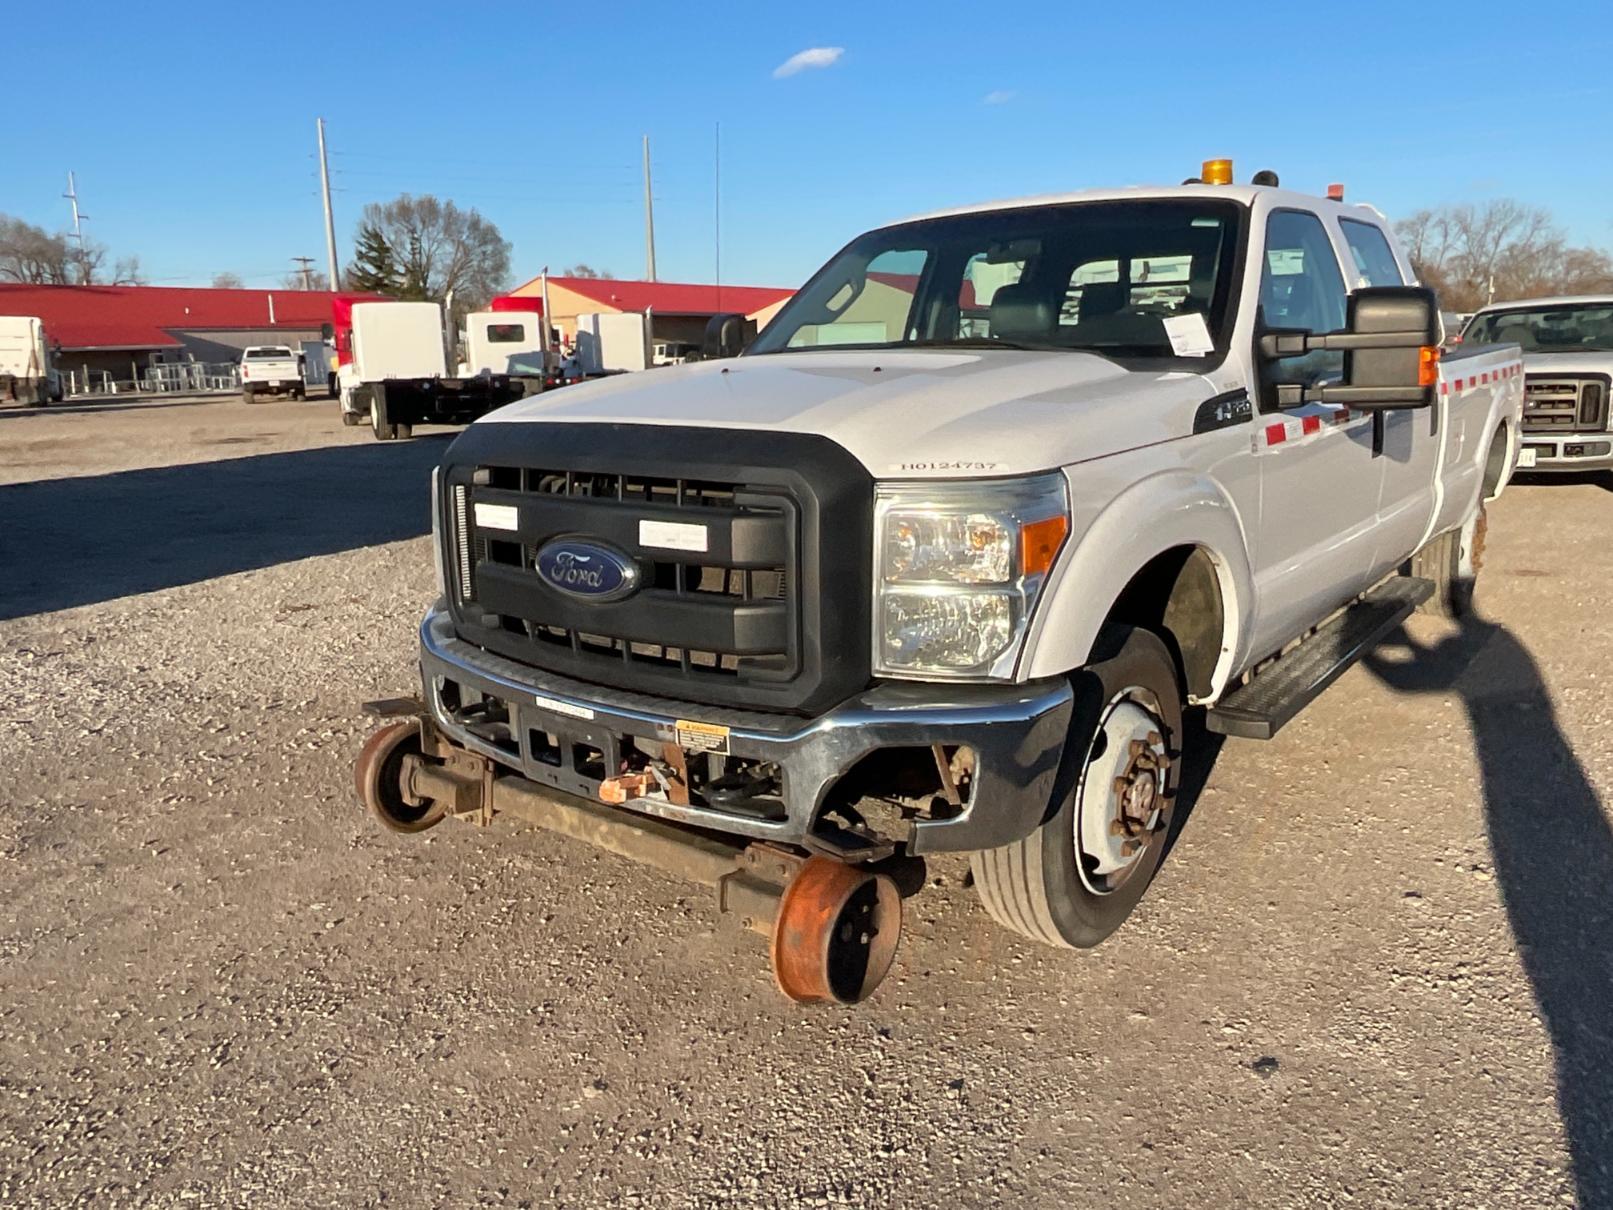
940,561
270,370
1567,377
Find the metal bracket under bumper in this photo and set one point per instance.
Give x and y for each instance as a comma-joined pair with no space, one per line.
1016,731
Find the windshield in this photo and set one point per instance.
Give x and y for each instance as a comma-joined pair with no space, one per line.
266,352
1128,279
1570,329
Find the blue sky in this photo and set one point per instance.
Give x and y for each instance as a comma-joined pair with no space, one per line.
191,128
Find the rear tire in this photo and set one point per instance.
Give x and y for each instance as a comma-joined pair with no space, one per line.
403,431
1073,881
378,422
351,419
1453,561
248,395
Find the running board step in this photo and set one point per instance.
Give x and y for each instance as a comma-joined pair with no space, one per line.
1259,708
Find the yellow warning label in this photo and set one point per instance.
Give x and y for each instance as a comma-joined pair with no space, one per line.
702,737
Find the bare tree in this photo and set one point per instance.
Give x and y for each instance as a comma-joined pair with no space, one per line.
314,279
440,248
1473,254
33,255
582,270
227,281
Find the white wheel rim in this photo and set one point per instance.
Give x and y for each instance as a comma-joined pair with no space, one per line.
1120,799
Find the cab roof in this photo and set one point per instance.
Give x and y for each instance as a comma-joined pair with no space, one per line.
1243,194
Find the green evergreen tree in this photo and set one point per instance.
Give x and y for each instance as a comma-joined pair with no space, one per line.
374,269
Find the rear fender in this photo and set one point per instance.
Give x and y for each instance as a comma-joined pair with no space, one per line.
1172,509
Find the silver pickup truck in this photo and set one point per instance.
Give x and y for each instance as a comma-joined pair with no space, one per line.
1567,376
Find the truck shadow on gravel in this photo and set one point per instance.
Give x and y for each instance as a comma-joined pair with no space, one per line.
68,542
1553,852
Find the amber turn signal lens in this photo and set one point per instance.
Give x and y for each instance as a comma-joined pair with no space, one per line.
1427,365
1216,172
1039,543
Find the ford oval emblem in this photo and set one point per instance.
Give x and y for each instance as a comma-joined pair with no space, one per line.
591,570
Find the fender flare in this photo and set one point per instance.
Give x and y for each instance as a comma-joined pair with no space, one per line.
1162,512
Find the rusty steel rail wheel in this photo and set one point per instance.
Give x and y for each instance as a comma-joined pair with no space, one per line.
834,926
383,777
836,934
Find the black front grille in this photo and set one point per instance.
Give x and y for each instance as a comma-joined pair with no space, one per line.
619,501
1559,403
738,622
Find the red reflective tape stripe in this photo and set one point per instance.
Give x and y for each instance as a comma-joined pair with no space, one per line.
1444,388
1312,424
1275,434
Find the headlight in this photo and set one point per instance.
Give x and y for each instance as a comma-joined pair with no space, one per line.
960,566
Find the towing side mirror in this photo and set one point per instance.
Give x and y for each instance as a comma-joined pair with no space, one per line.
1390,346
726,336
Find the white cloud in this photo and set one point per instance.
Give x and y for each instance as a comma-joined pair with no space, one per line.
999,96
807,60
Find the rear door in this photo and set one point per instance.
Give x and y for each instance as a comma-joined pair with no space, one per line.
1318,478
1409,440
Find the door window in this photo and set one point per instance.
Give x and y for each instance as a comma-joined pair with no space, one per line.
1301,287
1375,263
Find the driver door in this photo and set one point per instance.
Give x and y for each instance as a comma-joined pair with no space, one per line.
1313,543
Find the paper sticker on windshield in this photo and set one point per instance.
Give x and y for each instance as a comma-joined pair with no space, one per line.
1188,334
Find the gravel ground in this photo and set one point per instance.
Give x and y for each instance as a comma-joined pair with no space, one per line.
1377,967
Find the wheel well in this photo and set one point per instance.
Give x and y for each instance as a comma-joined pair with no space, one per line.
1177,595
1495,463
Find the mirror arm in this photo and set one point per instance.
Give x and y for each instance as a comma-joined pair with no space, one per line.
1276,345
1363,399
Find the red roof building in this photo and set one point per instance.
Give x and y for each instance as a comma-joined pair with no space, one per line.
110,327
682,307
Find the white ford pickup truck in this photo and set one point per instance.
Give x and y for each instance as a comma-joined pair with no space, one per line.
939,562
270,370
1567,377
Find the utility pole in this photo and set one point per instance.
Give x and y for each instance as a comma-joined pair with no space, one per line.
78,229
716,209
649,218
330,223
307,274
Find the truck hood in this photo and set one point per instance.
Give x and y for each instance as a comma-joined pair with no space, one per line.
911,414
1595,362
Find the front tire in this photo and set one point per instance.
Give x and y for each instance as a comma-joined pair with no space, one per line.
1453,561
1076,878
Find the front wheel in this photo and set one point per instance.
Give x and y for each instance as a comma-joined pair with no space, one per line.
1076,878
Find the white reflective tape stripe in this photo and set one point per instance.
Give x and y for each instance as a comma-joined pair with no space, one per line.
672,535
497,516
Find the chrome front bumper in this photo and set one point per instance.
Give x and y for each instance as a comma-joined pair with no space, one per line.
1017,733
1568,451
